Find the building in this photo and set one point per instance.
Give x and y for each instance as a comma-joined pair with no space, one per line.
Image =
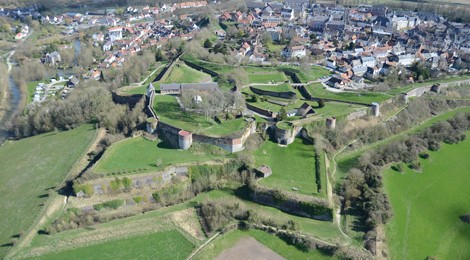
52,58
264,171
115,33
294,51
305,110
317,23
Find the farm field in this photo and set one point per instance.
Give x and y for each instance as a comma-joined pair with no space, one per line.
169,111
228,240
140,155
181,73
166,245
36,166
317,91
427,206
293,166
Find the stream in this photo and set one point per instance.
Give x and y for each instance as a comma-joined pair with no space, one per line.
14,103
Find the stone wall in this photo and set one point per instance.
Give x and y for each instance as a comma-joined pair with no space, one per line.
285,95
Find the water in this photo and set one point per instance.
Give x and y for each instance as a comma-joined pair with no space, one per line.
14,100
77,45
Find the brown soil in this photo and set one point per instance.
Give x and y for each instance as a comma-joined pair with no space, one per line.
248,248
187,220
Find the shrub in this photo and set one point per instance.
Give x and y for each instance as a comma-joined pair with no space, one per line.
137,199
86,188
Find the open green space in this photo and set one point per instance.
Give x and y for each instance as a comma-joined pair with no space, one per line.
169,112
227,240
427,206
318,91
267,77
276,88
293,166
36,166
161,245
141,155
181,73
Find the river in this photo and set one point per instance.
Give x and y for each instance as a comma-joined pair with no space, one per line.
14,100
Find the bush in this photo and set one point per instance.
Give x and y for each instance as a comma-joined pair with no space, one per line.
86,188
137,199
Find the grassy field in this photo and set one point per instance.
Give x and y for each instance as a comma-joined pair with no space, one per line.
267,77
181,73
273,242
292,166
277,88
36,165
161,245
427,207
318,91
139,153
169,111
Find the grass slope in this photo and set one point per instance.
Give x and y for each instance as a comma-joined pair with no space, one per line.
292,166
318,91
162,245
227,240
35,165
427,207
139,153
181,73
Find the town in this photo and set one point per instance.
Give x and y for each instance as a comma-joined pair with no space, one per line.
234,129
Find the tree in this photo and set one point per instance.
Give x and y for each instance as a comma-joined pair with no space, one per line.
207,43
321,103
282,115
159,55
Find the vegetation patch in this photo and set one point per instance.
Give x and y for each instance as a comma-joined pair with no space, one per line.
433,228
169,111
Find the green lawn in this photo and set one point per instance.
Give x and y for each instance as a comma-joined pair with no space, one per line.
277,88
140,155
292,166
267,77
169,111
162,245
31,168
181,73
227,240
318,91
427,207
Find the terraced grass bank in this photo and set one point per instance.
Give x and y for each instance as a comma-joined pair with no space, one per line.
427,206
36,166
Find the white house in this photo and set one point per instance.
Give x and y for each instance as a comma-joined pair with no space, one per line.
294,51
406,60
368,61
287,13
115,33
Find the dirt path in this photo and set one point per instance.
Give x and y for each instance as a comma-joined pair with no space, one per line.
337,210
203,245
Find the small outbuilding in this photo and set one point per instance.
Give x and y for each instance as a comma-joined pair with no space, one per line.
305,110
264,171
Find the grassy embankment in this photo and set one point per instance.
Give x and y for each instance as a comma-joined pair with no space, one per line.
140,155
293,167
35,167
427,206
